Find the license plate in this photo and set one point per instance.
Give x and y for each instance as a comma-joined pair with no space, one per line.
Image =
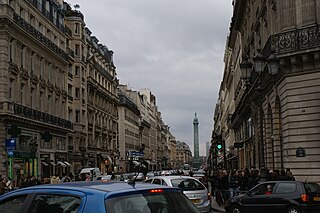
196,201
316,198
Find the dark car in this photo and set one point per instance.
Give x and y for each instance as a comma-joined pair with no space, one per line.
97,197
278,196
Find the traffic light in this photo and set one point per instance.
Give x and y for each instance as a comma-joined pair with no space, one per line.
219,146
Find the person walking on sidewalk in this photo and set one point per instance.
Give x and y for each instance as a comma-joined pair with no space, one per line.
233,183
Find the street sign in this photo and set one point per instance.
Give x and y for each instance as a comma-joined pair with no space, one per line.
10,153
11,143
136,154
300,152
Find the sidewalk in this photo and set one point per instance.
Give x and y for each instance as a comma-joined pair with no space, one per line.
215,206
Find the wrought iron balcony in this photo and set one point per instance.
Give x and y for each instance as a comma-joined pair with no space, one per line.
296,40
39,36
41,116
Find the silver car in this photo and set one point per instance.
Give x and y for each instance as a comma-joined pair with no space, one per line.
191,187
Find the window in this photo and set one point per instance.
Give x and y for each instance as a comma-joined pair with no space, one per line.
77,92
55,203
11,51
41,101
42,68
77,72
13,205
69,89
22,57
32,98
54,10
77,116
39,5
60,144
49,103
77,50
22,94
286,188
11,89
77,29
32,60
70,115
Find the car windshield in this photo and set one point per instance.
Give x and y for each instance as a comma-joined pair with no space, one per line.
187,184
172,202
312,187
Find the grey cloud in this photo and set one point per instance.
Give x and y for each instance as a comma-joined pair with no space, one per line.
173,47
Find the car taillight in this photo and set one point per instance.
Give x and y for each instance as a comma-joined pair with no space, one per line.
304,197
209,196
156,190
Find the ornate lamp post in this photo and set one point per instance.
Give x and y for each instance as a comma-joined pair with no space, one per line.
246,68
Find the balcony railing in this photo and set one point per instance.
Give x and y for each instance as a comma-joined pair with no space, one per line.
41,116
296,40
39,36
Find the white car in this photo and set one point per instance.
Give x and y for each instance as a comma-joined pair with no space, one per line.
192,188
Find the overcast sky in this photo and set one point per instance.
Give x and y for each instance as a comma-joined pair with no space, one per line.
175,48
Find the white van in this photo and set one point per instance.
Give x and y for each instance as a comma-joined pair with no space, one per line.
94,173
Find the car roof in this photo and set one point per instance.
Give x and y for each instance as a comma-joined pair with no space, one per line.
97,186
174,177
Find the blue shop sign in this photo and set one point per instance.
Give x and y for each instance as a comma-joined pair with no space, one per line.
10,153
11,143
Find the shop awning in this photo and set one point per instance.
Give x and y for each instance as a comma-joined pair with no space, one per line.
52,163
44,163
60,163
67,163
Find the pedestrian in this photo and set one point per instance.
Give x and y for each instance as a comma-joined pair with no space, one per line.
54,179
88,177
233,183
3,185
9,184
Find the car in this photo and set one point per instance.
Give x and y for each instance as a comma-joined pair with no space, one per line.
278,196
97,197
192,188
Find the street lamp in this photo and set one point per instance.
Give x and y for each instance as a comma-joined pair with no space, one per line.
273,64
259,62
246,68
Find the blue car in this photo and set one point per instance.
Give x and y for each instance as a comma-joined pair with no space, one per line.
96,197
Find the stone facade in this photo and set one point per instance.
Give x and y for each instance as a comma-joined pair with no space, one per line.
275,120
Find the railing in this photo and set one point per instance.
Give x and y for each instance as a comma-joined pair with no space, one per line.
39,36
40,116
295,40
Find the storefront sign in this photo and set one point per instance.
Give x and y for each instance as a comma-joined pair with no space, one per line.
11,143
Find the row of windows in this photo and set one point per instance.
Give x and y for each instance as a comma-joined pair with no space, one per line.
35,98
56,20
100,79
36,64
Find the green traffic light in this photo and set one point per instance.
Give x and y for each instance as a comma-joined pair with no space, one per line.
219,146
